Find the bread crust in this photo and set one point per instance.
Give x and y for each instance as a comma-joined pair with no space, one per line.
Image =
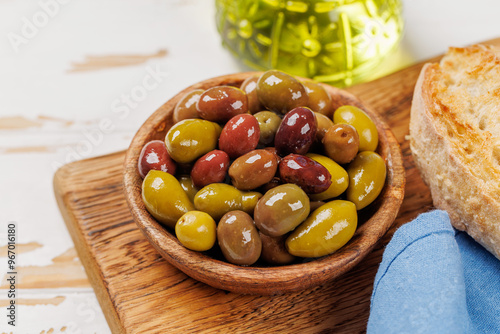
455,139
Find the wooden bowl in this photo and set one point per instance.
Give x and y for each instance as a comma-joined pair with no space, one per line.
374,221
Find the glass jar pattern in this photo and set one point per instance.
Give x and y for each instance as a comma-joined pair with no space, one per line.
334,41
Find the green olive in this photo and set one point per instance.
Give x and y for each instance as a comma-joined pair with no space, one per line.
249,200
217,199
269,123
191,138
281,209
164,197
340,179
319,99
238,238
328,228
367,131
196,230
188,186
280,92
367,174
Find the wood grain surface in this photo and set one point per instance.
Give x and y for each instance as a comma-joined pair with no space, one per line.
140,292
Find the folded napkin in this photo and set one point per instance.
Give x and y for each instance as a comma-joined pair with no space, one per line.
434,279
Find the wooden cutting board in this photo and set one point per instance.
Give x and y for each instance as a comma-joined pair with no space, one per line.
139,292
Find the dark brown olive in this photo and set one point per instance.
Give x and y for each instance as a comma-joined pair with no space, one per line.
240,135
315,204
274,250
276,181
154,155
210,168
318,98
341,143
253,169
280,92
238,238
186,107
249,86
221,103
311,176
297,132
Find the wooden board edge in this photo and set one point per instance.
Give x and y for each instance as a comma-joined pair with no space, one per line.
86,257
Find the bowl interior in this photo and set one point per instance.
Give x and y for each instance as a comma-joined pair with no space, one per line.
374,221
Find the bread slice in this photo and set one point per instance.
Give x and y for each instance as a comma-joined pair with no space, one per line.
455,139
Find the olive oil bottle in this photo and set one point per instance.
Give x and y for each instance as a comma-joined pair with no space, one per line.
335,41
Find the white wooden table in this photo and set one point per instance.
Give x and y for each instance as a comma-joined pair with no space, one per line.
77,82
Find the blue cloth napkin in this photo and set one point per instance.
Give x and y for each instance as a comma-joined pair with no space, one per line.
434,279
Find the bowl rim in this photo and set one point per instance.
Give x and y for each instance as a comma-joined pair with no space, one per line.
264,280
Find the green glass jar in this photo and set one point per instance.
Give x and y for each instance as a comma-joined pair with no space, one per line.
335,41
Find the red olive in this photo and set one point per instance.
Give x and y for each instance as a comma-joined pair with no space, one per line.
210,168
220,103
312,177
296,132
154,155
240,135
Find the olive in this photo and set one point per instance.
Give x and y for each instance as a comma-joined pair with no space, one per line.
221,103
188,186
196,230
341,143
297,132
274,250
367,131
276,181
273,151
310,175
269,122
210,168
154,155
324,123
249,86
186,107
249,200
328,228
253,169
281,209
315,204
164,197
367,174
340,179
217,199
280,92
240,135
238,238
191,138
318,98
